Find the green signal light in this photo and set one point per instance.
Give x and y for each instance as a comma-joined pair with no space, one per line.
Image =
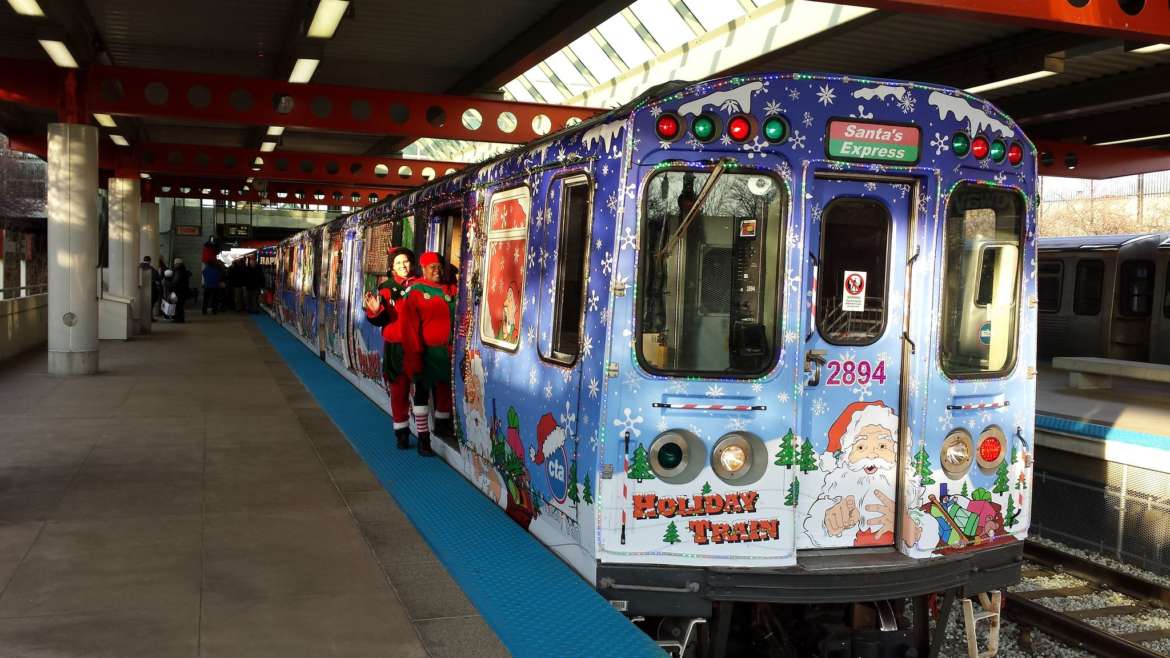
775,130
961,144
703,128
998,151
670,455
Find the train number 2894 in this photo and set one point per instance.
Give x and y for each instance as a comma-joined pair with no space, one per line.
848,373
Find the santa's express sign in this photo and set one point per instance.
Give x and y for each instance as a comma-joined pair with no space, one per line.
873,142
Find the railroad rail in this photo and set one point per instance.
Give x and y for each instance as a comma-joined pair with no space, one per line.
1072,626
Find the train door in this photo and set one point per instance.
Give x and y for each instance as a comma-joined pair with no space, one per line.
1159,347
856,236
446,238
1130,330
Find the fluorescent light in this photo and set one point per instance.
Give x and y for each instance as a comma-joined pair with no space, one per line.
119,140
144,176
303,70
1132,139
28,7
105,120
326,18
249,181
267,147
275,131
1019,79
59,53
1145,50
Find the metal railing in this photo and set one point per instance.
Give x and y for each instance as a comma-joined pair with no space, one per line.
23,291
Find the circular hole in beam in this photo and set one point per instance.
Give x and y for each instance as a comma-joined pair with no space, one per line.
113,91
199,96
399,113
436,116
175,158
321,107
1078,3
405,172
573,121
373,198
450,170
472,119
381,170
506,122
202,159
337,196
241,100
355,167
331,168
306,166
428,173
282,164
541,124
155,93
360,109
1132,7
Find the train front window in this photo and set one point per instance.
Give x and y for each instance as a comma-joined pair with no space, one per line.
708,297
1048,285
1137,289
855,238
983,234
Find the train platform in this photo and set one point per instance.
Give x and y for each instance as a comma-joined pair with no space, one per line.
197,499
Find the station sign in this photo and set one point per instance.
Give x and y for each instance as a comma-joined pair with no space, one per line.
865,141
188,229
237,231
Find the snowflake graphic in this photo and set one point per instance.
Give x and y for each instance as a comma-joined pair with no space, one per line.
695,144
772,107
757,387
532,377
531,335
605,317
607,263
593,300
792,279
664,145
862,390
790,336
797,140
714,391
568,418
725,140
628,239
737,424
605,169
1001,178
677,388
586,346
826,95
633,382
815,212
756,147
782,397
807,120
620,280
696,430
793,94
548,391
903,189
662,424
907,103
870,186
940,143
785,171
593,442
544,256
594,387
614,203
630,423
655,111
819,407
629,190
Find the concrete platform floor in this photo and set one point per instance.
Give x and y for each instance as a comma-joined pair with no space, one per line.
193,500
1131,404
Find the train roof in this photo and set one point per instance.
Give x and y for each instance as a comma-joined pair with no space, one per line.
1090,242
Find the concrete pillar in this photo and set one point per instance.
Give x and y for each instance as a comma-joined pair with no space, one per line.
147,246
73,245
125,229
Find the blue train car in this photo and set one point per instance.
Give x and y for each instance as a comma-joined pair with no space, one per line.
709,336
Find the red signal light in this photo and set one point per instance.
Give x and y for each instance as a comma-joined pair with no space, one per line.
667,127
990,449
739,128
1015,154
980,147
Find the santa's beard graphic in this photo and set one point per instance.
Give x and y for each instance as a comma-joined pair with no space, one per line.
859,480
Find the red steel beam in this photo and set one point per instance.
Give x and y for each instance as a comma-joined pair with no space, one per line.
1099,161
1101,17
235,99
274,191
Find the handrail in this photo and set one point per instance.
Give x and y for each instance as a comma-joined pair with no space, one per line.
16,292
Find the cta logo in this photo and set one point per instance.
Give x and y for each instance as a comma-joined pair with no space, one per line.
556,469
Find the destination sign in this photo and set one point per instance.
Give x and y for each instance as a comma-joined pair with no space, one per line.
873,142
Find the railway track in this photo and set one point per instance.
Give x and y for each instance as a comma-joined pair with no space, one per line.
1073,626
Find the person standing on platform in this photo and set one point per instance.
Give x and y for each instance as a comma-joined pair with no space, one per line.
182,287
428,316
155,285
383,309
212,278
253,282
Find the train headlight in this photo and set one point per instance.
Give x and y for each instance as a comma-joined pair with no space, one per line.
670,456
992,448
733,459
739,458
956,453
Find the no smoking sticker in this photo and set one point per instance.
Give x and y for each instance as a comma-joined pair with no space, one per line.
854,297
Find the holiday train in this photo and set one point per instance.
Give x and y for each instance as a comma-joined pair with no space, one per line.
782,324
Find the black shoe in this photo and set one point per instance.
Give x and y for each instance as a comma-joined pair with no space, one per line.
424,445
443,428
403,437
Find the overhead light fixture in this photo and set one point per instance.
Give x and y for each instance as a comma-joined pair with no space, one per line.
144,176
1070,161
1052,66
119,140
1151,48
105,120
302,71
59,53
267,147
27,7
275,131
327,17
249,180
1132,139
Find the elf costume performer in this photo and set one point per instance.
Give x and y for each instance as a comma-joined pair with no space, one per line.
428,316
384,310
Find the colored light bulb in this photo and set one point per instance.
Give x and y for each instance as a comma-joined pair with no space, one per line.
667,127
670,455
775,130
1015,154
739,128
961,144
998,151
980,147
703,128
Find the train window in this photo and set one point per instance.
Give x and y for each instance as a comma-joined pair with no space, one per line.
376,244
855,237
333,282
1136,298
1048,285
708,282
572,247
983,235
1088,287
507,238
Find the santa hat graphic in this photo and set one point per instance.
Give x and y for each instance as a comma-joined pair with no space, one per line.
855,416
544,427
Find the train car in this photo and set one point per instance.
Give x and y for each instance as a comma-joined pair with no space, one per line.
1160,324
1103,296
767,339
266,259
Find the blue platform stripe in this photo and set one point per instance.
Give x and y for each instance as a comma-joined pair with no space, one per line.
1102,432
534,602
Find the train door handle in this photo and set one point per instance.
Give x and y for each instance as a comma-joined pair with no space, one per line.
813,360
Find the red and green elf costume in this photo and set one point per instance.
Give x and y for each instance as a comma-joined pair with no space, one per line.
428,317
389,317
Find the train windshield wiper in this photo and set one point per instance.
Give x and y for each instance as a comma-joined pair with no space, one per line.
700,199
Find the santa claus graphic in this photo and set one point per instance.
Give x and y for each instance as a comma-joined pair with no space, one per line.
474,415
549,437
855,504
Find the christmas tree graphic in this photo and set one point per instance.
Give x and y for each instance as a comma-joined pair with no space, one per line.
786,456
1001,478
640,469
671,536
808,458
793,493
1013,454
964,493
573,495
706,488
1011,513
587,491
922,465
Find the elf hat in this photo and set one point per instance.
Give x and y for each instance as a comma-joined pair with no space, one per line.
859,414
544,427
430,258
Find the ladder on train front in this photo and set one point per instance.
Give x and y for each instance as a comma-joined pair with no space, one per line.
990,605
